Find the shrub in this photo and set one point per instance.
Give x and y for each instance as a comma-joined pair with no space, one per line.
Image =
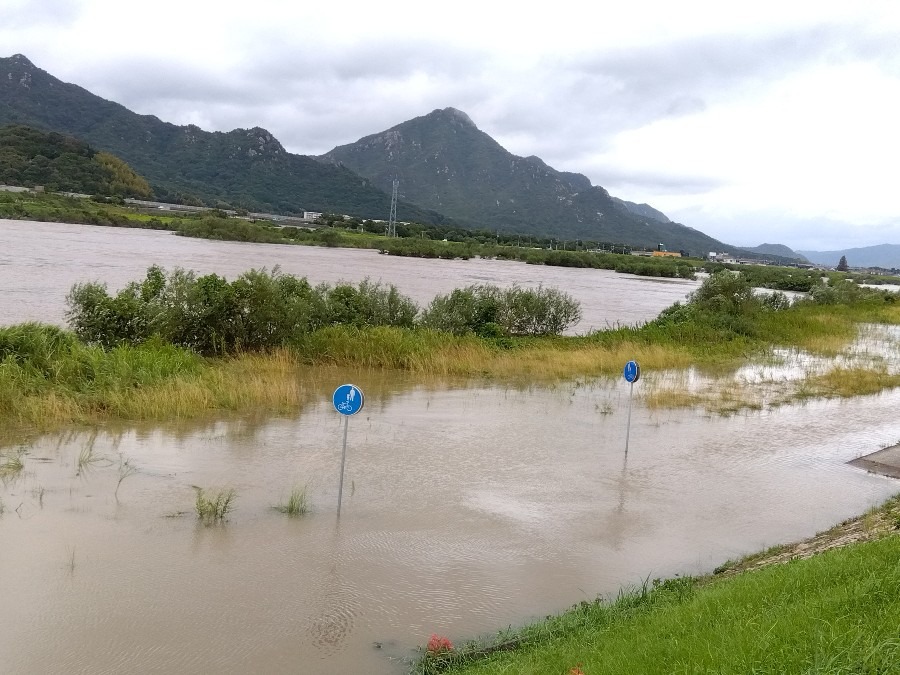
257,311
490,311
465,310
368,304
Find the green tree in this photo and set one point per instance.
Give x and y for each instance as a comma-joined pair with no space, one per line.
842,265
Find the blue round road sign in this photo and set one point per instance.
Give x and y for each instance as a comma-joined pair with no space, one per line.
632,372
348,399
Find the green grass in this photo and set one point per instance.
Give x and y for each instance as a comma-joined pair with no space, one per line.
838,612
297,503
212,505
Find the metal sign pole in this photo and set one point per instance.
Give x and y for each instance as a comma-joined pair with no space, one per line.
632,373
344,459
628,428
348,400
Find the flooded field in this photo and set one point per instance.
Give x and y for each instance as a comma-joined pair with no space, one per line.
467,507
39,263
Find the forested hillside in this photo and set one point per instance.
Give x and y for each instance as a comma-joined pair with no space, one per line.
61,163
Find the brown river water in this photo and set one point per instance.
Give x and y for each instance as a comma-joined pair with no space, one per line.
468,506
39,263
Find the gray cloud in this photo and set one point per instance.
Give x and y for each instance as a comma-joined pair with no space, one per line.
651,181
607,93
25,14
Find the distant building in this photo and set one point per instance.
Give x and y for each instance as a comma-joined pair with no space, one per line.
311,216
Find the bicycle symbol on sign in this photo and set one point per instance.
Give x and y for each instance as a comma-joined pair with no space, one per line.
347,399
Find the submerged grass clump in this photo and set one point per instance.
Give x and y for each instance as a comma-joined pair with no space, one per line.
844,382
213,505
11,464
297,503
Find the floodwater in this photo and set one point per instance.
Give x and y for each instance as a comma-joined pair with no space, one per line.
468,506
39,263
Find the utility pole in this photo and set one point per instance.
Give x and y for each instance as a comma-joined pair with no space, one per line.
392,220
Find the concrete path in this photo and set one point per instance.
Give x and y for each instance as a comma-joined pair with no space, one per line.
886,462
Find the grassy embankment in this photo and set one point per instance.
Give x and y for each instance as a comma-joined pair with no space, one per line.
787,610
50,378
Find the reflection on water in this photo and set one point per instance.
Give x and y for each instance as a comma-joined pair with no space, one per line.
784,376
467,507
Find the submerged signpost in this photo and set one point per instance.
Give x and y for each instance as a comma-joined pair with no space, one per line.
348,400
632,374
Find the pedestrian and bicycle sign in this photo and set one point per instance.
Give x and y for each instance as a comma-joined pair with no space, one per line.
632,372
348,399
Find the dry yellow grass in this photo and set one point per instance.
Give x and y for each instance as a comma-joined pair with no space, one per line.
545,363
268,381
284,380
846,382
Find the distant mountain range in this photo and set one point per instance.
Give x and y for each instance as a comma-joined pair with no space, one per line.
886,256
244,167
449,170
779,250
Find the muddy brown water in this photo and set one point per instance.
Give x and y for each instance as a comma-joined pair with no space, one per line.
469,506
39,263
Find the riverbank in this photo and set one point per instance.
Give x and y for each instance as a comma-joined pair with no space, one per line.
827,604
49,378
414,240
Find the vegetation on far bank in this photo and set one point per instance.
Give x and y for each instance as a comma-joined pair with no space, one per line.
795,612
414,239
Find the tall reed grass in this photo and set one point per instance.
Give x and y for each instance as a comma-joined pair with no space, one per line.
213,505
50,378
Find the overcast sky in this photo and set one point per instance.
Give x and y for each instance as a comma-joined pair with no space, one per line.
753,122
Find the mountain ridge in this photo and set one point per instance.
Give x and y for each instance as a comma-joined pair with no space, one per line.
886,256
779,250
242,167
445,162
489,187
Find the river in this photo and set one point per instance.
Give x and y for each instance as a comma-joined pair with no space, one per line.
39,263
469,505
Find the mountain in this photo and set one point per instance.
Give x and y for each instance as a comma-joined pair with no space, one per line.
244,167
779,250
64,164
643,210
444,162
886,256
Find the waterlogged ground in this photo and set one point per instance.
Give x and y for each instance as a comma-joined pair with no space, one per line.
468,507
870,363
